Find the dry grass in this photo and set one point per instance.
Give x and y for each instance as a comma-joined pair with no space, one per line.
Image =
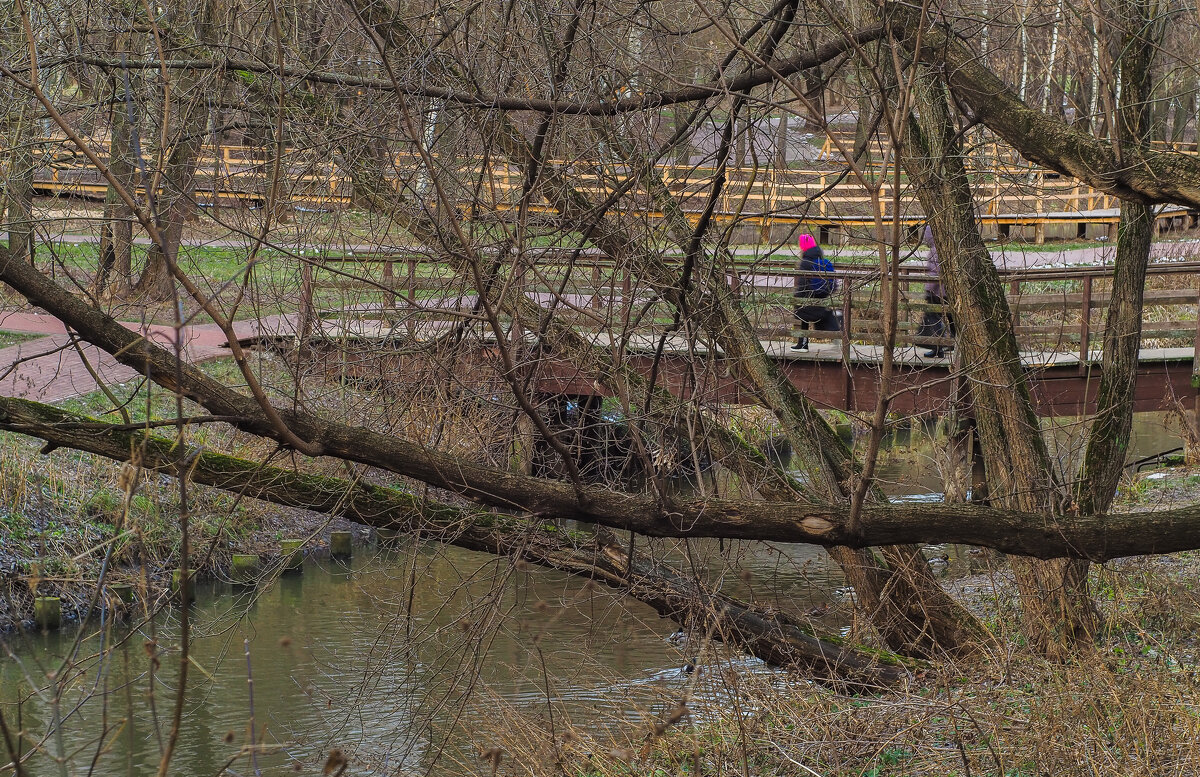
1126,707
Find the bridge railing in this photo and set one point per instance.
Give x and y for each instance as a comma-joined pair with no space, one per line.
1058,312
1009,193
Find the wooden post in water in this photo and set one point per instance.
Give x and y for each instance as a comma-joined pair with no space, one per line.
292,552
121,592
177,584
47,612
243,569
340,545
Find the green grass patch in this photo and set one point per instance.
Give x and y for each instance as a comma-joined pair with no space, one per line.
8,339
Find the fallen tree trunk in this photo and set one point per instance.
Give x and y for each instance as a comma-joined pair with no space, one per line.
766,634
901,598
1094,537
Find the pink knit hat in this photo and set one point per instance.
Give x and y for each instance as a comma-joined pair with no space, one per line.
807,242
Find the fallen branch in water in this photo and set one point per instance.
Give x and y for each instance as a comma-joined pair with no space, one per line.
766,634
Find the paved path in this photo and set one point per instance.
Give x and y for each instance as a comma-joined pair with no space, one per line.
50,368
1005,257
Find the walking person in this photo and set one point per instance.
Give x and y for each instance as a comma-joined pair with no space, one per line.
935,323
820,317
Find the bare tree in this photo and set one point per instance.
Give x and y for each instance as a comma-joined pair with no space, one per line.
484,138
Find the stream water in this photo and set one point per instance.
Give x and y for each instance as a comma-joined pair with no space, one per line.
406,659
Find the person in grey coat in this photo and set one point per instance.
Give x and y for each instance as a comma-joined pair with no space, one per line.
935,323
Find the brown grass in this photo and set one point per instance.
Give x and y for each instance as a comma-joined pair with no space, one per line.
1126,707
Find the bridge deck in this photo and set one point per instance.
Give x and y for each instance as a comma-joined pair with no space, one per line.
836,375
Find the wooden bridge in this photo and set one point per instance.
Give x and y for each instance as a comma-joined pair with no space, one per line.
1059,324
767,203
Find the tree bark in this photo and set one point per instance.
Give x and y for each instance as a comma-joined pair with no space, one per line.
178,184
1108,437
115,272
1057,610
1141,175
18,189
16,121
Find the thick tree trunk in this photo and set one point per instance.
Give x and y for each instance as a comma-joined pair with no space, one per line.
115,273
18,186
769,635
178,203
1058,612
17,111
1108,438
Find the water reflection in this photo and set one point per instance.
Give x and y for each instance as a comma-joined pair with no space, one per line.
394,659
407,657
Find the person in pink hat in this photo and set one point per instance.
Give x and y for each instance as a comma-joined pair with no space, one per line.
820,317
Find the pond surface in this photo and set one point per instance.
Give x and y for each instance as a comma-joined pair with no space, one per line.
336,661
407,660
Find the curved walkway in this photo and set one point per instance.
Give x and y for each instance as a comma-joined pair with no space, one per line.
53,366
1006,257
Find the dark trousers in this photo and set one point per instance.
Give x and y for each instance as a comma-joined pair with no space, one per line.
936,323
816,317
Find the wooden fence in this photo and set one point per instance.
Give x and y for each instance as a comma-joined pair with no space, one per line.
1058,312
1009,194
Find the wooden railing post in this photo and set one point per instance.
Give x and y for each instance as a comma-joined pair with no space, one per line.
847,311
1014,295
389,282
595,302
1085,324
626,302
1196,355
1196,347
1189,453
307,313
847,325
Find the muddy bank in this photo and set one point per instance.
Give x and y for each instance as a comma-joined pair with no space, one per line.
73,580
